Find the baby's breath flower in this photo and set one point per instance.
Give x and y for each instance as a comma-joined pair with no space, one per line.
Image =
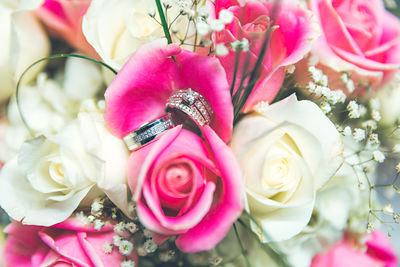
398,169
203,11
350,86
373,139
151,11
347,131
125,247
128,263
290,69
226,16
396,148
202,28
147,233
325,107
150,246
311,87
376,115
245,45
379,156
97,207
369,125
359,134
362,110
98,224
91,218
132,227
221,50
80,216
388,209
119,228
107,247
316,74
117,240
217,25
375,104
354,110
344,77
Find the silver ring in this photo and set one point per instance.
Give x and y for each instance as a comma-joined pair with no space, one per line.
192,104
148,132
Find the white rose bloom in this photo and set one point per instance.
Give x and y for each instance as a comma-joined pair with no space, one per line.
48,106
116,28
287,153
23,42
53,174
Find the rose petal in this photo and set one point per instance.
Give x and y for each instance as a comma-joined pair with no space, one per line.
221,216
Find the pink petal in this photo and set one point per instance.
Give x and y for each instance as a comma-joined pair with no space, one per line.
66,244
334,29
379,247
190,218
226,209
93,244
141,160
266,90
22,244
207,76
140,90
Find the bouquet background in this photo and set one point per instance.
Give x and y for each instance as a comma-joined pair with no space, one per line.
275,126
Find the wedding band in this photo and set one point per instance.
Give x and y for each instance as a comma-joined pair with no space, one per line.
148,132
192,104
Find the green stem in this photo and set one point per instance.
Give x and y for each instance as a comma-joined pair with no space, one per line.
163,21
241,246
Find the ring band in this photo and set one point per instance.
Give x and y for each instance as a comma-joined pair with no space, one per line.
192,104
148,132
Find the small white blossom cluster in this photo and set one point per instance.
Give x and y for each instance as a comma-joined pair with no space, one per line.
349,83
204,27
319,87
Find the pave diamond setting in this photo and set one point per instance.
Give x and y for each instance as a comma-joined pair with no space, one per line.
148,132
192,104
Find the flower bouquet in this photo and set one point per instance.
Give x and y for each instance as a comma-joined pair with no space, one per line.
199,132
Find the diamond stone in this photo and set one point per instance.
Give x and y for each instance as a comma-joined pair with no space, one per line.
189,97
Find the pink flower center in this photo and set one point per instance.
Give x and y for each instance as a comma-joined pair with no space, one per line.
179,178
260,24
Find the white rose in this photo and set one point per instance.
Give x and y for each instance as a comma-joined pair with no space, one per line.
116,28
53,174
49,105
23,41
287,153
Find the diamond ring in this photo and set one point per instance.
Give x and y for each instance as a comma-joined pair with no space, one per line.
148,132
192,104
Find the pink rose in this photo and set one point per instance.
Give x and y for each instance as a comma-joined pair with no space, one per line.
290,41
379,252
64,19
359,37
187,187
69,243
139,92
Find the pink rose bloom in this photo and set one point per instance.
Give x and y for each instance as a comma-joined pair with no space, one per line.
139,92
187,186
290,41
64,19
69,243
379,252
359,37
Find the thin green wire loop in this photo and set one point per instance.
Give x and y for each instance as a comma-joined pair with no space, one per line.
17,91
